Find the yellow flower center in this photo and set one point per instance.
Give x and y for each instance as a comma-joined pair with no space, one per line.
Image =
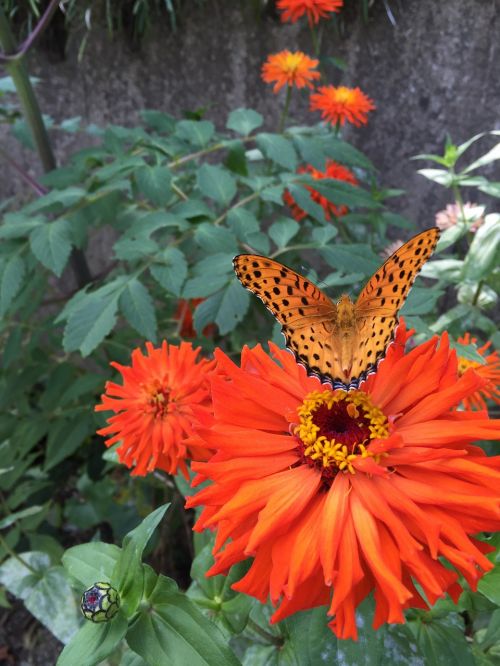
465,363
343,95
291,62
157,400
336,427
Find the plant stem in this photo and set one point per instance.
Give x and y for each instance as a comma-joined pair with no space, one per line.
17,70
270,638
17,557
34,35
284,115
478,292
314,39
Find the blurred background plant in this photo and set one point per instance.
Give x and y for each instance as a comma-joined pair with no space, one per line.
178,198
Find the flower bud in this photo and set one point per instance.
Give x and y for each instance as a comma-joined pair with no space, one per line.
100,602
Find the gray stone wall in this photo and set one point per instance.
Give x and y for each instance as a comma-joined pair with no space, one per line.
436,71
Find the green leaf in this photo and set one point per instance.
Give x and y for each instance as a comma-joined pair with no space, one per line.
489,585
216,183
198,133
226,308
51,244
215,239
19,225
128,574
278,149
91,562
91,322
138,308
45,592
12,272
18,515
94,642
170,270
243,223
172,631
339,192
56,200
153,183
491,156
65,437
442,643
283,230
344,152
421,300
302,198
244,121
323,235
439,176
483,251
356,256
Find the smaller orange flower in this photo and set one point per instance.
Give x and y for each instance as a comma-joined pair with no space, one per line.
315,9
290,68
333,170
490,370
184,315
164,394
340,104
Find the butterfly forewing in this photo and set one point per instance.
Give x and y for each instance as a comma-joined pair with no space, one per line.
310,320
307,316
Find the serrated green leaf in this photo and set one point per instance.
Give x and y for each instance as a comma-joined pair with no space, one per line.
56,199
215,239
154,183
302,198
51,244
323,235
341,193
216,183
137,306
65,437
19,225
196,132
278,149
244,121
441,643
421,300
19,515
12,272
205,285
283,230
357,256
90,323
94,642
170,270
91,562
226,308
134,249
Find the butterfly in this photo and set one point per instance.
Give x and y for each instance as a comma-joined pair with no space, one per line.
341,343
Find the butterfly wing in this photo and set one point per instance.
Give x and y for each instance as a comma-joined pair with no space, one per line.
384,295
307,316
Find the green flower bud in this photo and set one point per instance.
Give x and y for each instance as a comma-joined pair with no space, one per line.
100,602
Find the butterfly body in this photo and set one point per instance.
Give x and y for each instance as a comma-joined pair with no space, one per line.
340,342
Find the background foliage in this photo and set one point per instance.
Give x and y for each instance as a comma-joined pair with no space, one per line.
180,197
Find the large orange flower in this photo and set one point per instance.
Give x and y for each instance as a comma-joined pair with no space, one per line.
333,170
490,371
315,9
336,494
164,393
338,105
290,68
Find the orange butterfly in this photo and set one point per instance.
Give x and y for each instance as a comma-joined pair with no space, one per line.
341,342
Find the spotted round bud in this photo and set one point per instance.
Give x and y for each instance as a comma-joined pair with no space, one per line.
100,602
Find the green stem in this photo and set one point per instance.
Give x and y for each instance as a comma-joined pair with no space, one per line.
478,292
17,557
16,68
314,39
284,115
270,638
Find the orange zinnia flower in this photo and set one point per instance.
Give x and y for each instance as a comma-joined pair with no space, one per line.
340,104
290,68
335,494
490,371
333,170
164,393
315,9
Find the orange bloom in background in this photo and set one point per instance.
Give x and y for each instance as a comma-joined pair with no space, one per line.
293,10
184,315
337,494
338,105
163,395
490,371
288,68
333,170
